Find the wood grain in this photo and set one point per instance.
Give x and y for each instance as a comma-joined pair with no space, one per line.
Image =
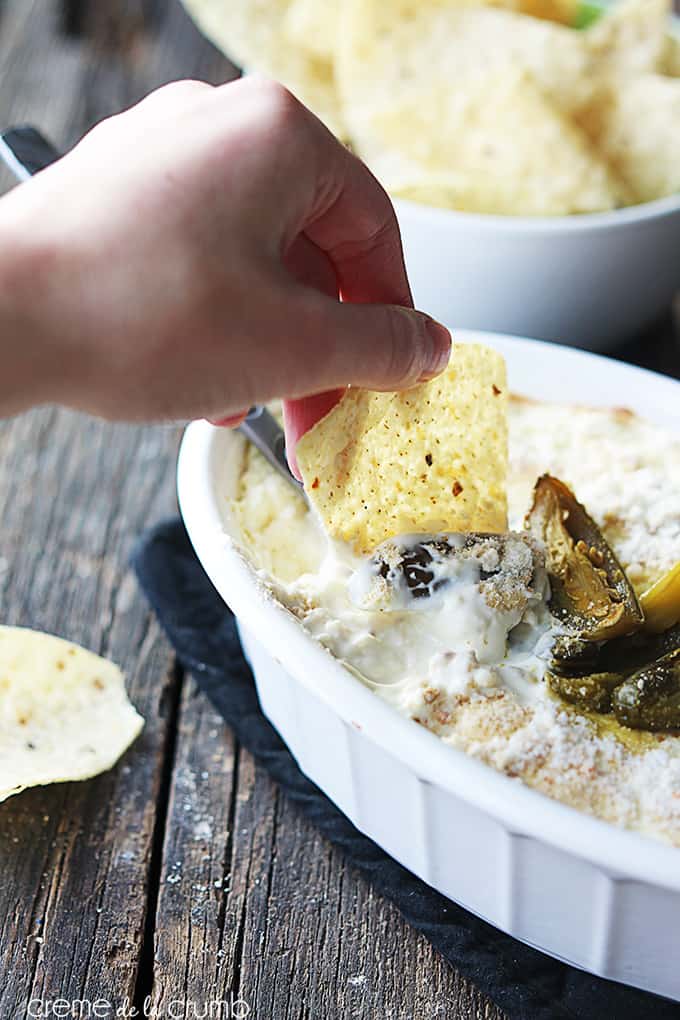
183,874
255,906
77,858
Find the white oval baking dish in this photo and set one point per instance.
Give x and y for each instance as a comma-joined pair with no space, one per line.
603,899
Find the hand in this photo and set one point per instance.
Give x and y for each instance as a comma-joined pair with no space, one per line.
186,259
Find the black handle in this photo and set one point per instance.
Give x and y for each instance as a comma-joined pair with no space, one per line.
26,151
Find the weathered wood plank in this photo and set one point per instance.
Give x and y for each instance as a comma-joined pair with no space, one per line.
39,80
77,859
659,348
192,949
136,46
251,901
73,494
321,944
265,911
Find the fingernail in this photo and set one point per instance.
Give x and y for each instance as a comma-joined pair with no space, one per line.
440,352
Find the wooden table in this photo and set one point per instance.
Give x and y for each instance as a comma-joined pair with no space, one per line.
182,875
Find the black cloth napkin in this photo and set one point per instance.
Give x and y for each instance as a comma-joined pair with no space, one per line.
527,984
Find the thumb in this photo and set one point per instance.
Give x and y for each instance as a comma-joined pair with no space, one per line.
379,347
336,344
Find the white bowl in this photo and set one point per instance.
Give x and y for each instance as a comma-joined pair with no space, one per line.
592,281
601,898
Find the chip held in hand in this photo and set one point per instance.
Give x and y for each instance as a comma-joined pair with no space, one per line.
64,714
429,459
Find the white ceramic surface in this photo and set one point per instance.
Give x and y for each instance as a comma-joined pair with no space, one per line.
601,898
592,281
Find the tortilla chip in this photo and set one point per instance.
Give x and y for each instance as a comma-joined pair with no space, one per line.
253,34
441,189
417,52
635,123
670,63
430,459
313,26
563,11
490,144
64,714
631,37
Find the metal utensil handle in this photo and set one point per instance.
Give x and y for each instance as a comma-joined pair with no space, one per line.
264,432
26,151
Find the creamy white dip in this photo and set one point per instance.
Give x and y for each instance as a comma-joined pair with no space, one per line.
459,642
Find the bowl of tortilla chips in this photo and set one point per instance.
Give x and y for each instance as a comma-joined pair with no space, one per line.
532,147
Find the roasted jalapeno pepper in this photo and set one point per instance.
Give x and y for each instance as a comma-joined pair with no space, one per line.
593,692
573,656
637,677
650,698
628,654
591,594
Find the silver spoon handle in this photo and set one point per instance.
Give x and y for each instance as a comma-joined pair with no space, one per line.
264,432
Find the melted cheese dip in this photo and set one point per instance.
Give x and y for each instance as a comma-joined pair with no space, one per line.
467,662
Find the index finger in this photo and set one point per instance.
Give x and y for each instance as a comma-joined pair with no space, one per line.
352,221
316,187
355,224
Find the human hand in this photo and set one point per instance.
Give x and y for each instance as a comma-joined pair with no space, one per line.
186,258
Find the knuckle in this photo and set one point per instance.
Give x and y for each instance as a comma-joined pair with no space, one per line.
380,224
185,88
175,94
169,99
279,109
404,348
